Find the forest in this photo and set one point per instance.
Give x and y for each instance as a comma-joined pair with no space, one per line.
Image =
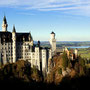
21,75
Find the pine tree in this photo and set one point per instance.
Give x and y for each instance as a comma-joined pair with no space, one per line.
65,60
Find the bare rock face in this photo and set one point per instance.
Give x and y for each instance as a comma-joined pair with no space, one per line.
64,73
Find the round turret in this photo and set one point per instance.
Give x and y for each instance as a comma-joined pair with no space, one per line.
53,42
14,43
52,35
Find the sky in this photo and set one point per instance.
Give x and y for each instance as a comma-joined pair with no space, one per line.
69,19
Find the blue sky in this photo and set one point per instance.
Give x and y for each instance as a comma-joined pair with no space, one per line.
69,19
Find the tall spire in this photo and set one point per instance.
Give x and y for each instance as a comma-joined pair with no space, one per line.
5,20
4,24
14,30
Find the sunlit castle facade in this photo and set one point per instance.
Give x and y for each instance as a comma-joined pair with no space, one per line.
53,43
20,46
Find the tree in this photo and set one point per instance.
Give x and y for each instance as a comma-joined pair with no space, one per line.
60,71
76,67
65,60
81,62
69,64
81,66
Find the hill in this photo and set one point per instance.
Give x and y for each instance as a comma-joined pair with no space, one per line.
21,75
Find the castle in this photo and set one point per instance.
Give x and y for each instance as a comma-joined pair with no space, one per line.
71,53
20,46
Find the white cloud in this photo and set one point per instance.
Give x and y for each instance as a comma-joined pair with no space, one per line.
24,13
49,5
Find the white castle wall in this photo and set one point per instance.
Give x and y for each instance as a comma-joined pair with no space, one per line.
33,59
44,61
14,46
37,57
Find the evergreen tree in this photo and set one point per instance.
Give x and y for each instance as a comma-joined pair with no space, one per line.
65,60
81,61
81,66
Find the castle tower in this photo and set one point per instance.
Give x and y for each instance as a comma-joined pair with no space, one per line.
44,62
14,44
53,43
4,24
37,57
23,48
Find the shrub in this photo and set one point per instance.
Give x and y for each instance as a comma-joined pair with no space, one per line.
60,71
